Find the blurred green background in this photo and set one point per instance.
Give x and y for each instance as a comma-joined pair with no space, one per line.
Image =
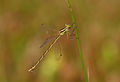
21,34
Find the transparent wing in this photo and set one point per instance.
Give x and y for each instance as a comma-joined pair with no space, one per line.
48,31
58,51
46,41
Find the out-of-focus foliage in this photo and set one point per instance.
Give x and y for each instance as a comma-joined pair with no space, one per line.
22,32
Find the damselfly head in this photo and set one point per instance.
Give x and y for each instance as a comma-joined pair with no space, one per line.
67,26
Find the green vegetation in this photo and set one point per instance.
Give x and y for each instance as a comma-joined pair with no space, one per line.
78,42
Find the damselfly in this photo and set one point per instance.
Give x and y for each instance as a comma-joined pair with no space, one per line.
60,33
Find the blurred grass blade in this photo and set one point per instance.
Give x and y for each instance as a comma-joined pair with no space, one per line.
78,43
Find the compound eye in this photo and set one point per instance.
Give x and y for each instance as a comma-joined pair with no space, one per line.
66,24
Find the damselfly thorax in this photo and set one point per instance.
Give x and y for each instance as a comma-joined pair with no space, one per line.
65,29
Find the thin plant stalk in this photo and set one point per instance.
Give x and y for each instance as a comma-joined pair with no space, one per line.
78,43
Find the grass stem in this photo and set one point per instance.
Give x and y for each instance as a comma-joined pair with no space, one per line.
78,43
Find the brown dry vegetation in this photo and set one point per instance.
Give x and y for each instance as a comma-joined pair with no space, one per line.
21,34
